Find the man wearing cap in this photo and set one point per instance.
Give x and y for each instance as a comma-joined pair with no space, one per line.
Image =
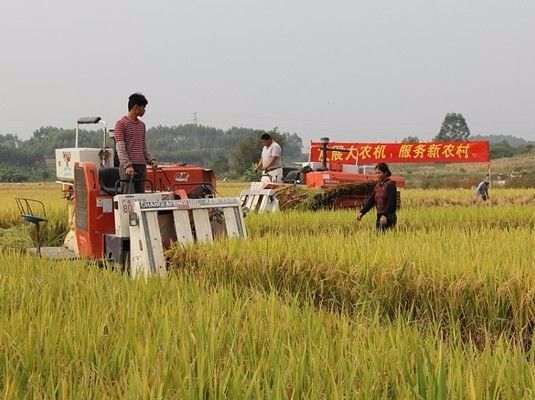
270,161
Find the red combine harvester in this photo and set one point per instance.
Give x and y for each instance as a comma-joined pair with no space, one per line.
332,174
327,175
101,212
102,219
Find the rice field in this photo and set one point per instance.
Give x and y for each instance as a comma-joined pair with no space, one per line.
311,305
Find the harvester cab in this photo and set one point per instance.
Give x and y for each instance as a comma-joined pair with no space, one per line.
178,206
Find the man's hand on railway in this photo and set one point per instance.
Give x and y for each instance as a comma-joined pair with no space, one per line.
129,171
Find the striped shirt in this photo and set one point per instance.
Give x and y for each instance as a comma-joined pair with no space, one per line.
130,142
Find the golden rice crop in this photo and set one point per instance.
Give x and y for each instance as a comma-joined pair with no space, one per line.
475,275
74,331
311,305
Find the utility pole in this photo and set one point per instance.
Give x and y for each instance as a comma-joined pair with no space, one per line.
195,117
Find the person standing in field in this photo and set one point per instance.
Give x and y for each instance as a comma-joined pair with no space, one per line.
270,160
383,198
131,145
482,190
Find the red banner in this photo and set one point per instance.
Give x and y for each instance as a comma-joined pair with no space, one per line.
432,152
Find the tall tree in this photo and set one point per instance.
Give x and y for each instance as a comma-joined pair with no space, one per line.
10,141
453,129
247,153
410,139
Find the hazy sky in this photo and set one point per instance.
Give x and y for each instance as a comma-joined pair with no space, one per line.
351,70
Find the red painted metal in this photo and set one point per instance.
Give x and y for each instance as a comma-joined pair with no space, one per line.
176,176
332,178
92,222
431,152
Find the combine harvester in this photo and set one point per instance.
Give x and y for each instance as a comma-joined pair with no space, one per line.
134,230
324,184
335,174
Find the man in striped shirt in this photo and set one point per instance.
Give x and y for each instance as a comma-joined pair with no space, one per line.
131,146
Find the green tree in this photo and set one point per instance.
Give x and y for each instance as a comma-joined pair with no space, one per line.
10,141
220,164
247,152
293,148
501,150
9,173
229,151
453,129
248,149
46,140
410,139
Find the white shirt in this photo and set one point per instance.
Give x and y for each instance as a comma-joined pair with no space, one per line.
273,150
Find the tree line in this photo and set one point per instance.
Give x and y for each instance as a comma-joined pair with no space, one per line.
229,152
455,129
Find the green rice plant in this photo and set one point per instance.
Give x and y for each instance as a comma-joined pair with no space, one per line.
70,330
55,229
311,305
466,197
440,267
15,238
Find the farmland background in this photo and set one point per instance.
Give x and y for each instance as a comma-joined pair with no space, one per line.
312,305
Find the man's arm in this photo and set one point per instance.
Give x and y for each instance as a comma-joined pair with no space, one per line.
118,135
259,164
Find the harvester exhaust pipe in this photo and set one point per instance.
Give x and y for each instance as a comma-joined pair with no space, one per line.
324,142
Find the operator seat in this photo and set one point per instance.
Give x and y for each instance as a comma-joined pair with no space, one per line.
292,176
108,177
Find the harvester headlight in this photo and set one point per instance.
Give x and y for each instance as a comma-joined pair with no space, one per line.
132,219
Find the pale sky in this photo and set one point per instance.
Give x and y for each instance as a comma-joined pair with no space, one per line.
350,70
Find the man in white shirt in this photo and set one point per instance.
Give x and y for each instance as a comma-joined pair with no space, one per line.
270,161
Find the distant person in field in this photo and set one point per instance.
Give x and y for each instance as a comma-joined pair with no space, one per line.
131,145
482,190
270,161
383,198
